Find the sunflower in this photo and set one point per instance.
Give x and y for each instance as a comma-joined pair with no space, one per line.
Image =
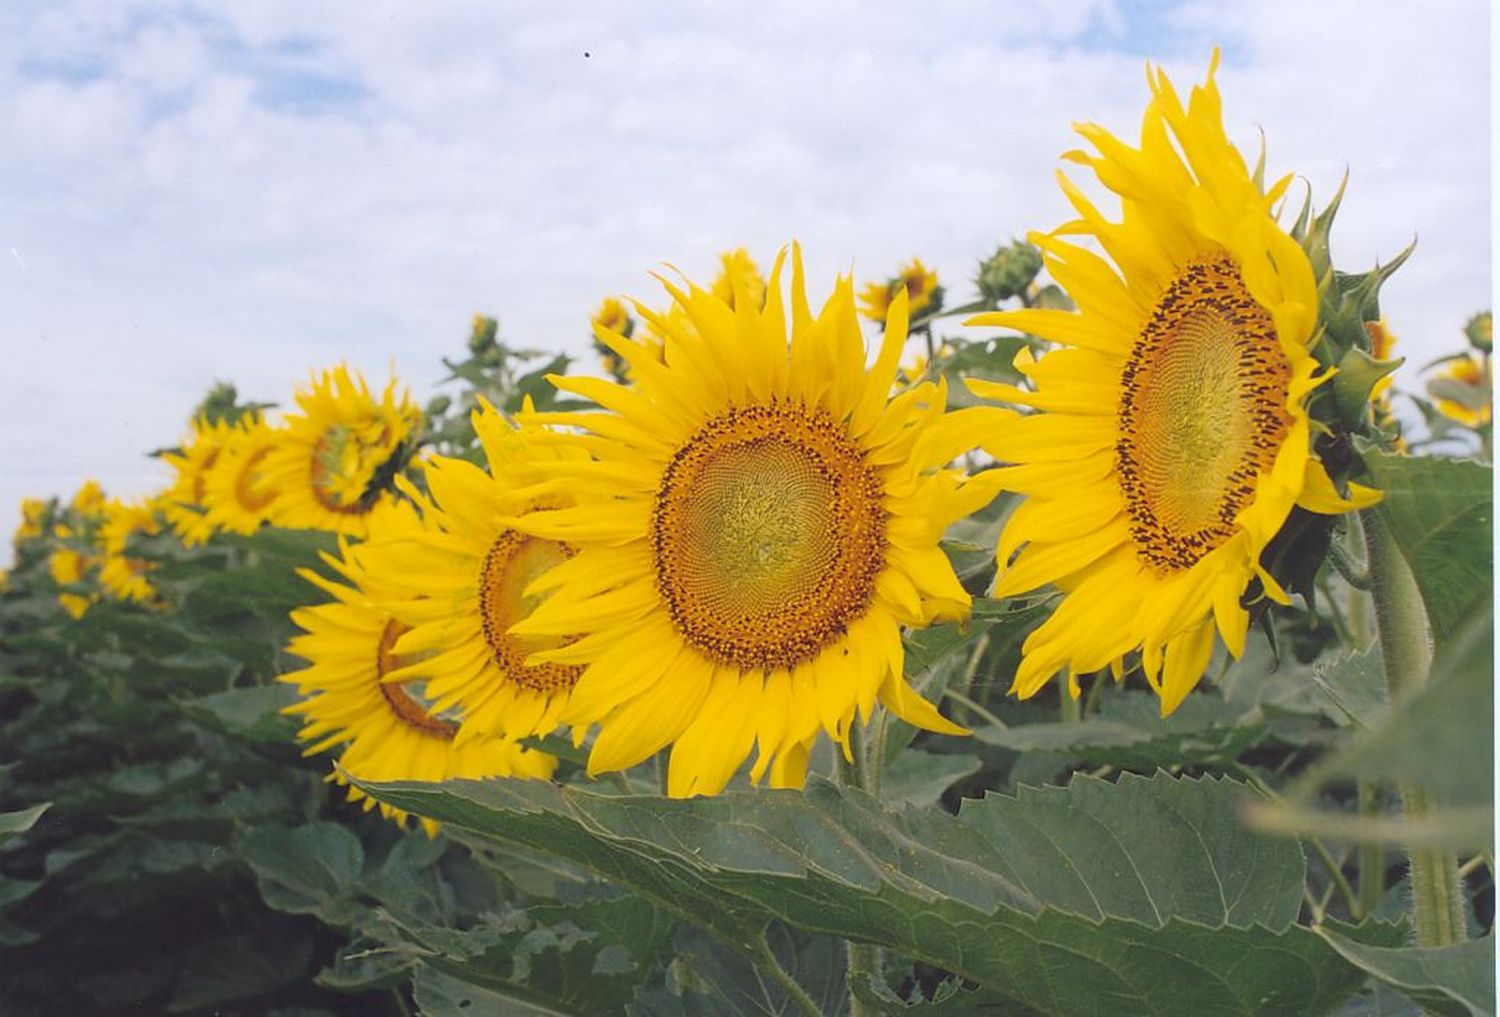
762,520
33,520
237,495
737,270
474,572
89,501
184,502
1470,378
1171,438
120,575
334,461
76,604
67,566
918,283
611,315
391,734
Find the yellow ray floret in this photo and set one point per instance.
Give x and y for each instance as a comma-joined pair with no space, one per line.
334,458
474,572
390,731
761,519
1169,435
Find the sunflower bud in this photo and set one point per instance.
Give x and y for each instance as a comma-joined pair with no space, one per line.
1008,271
1480,331
482,333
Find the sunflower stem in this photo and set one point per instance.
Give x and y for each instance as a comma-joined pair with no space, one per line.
1355,573
1069,709
1371,855
865,959
1436,889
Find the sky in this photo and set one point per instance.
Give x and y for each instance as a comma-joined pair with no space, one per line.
252,191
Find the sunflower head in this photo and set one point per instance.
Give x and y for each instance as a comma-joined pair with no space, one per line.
184,502
88,502
123,576
738,274
915,280
238,495
34,513
335,459
1166,439
67,566
477,579
1462,390
353,694
761,518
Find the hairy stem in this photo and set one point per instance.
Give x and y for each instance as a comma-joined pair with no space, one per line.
864,958
1437,892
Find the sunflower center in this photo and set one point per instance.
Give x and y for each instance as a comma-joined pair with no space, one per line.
247,483
513,561
402,703
768,535
1202,413
344,466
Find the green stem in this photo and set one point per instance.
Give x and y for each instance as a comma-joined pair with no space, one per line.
864,958
1069,709
1371,855
1436,890
767,962
974,708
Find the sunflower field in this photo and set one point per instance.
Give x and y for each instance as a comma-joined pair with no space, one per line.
1117,640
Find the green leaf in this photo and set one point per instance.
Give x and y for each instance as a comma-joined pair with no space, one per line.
14,823
439,994
1456,979
1441,514
1355,684
312,869
253,712
919,778
1147,892
708,980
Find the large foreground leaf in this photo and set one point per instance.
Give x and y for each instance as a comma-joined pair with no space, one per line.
1143,896
1457,979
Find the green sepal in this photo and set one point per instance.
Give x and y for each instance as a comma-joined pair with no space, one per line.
1357,377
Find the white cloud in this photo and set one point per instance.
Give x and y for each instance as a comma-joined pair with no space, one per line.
249,192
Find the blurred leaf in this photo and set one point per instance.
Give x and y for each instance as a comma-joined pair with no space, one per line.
18,822
312,869
1441,513
240,968
1129,732
1441,738
1457,980
252,712
1157,896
